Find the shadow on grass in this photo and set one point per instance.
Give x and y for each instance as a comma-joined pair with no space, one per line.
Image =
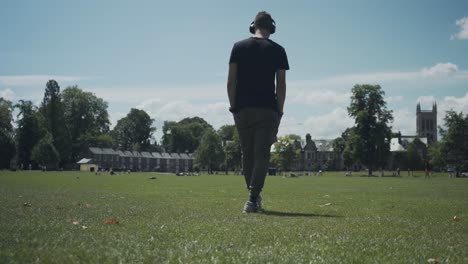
276,213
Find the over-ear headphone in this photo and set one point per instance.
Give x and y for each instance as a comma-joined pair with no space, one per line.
272,27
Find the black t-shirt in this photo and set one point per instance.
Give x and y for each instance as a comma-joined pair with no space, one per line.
257,61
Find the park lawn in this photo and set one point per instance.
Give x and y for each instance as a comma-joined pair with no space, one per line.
58,217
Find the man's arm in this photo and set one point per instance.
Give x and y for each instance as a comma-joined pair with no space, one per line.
281,89
231,84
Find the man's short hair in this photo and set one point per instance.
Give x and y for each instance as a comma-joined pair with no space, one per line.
263,20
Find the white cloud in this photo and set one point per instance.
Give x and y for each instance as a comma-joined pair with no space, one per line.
25,80
162,92
440,73
327,126
319,97
440,69
7,94
114,117
459,104
463,33
394,99
426,101
215,113
334,90
404,120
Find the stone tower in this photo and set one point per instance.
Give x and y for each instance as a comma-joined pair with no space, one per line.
426,123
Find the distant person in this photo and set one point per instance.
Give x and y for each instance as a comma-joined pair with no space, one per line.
256,102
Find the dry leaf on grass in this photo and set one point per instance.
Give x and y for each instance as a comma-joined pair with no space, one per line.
111,221
88,206
327,204
84,227
456,218
433,261
74,222
27,205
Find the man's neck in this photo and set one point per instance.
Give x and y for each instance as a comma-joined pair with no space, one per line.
262,34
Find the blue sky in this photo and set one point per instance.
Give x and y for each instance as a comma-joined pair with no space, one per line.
170,57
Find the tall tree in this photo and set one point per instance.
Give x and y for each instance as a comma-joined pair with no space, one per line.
371,146
29,130
210,152
52,109
134,131
7,144
454,143
87,119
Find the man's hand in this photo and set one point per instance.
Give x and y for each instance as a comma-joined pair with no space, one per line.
281,89
231,85
280,115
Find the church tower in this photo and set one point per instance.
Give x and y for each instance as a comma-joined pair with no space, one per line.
426,123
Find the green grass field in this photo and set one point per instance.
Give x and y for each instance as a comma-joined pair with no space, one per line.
58,217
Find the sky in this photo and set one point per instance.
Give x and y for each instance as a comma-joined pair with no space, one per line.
170,58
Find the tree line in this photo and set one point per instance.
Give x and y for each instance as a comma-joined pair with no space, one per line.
367,142
59,131
66,123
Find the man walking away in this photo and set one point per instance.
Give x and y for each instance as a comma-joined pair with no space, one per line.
256,102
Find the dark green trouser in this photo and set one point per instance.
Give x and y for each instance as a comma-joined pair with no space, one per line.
257,129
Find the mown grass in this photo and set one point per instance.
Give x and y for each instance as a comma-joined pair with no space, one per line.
318,219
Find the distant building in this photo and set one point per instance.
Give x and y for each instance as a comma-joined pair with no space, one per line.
316,155
426,123
426,132
107,158
319,154
87,165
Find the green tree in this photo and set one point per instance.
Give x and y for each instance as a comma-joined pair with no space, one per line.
184,135
30,129
285,153
414,159
454,144
52,109
226,132
232,151
339,145
210,152
7,144
294,137
436,156
371,145
87,120
348,159
134,131
342,147
45,152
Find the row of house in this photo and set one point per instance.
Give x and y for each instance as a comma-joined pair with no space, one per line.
108,158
